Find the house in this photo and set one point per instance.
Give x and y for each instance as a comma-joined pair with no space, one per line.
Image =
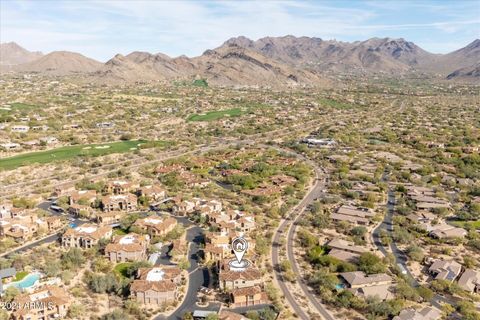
85,236
355,215
130,247
156,286
427,313
445,231
470,281
120,187
119,202
368,285
9,146
85,197
50,303
233,279
49,140
323,143
178,249
20,227
214,253
79,210
248,296
110,218
445,269
19,128
53,223
6,210
154,192
184,207
156,226
229,315
172,273
344,250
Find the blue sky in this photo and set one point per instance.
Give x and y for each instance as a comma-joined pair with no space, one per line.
100,29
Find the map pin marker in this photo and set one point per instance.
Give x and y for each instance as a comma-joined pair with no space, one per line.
239,247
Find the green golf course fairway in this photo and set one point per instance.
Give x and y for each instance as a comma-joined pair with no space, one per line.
70,152
215,115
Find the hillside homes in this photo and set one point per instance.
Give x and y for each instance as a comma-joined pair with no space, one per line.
426,313
52,303
130,247
156,286
354,215
445,270
86,236
156,226
119,202
344,250
366,286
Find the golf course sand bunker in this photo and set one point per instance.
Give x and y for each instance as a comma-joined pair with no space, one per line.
102,147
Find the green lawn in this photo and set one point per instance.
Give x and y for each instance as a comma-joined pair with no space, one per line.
335,104
119,232
215,115
466,224
121,268
20,275
19,106
200,83
66,153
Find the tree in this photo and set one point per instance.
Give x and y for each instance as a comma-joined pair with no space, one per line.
187,316
184,264
72,259
371,263
75,311
52,268
415,253
10,293
117,314
132,269
267,314
425,293
307,239
404,291
358,231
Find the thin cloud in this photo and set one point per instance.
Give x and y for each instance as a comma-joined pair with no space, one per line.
101,29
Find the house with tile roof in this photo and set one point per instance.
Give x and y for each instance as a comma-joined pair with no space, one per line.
129,247
86,236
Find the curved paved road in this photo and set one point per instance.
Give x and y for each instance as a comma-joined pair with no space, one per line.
290,226
400,257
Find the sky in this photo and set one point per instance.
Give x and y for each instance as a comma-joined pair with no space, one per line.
101,29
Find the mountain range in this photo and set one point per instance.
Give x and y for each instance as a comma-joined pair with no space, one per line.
273,61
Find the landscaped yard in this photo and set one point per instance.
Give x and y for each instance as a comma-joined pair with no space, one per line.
121,268
70,152
20,275
215,115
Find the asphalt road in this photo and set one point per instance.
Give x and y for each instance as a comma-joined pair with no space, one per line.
400,257
289,226
198,276
52,238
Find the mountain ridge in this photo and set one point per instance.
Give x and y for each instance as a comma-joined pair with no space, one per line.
276,61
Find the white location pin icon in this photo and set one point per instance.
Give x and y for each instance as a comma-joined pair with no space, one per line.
239,247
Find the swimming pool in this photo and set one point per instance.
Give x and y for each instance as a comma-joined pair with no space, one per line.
339,286
27,282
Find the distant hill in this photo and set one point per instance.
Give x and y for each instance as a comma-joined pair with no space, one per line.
269,61
467,73
60,63
12,54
